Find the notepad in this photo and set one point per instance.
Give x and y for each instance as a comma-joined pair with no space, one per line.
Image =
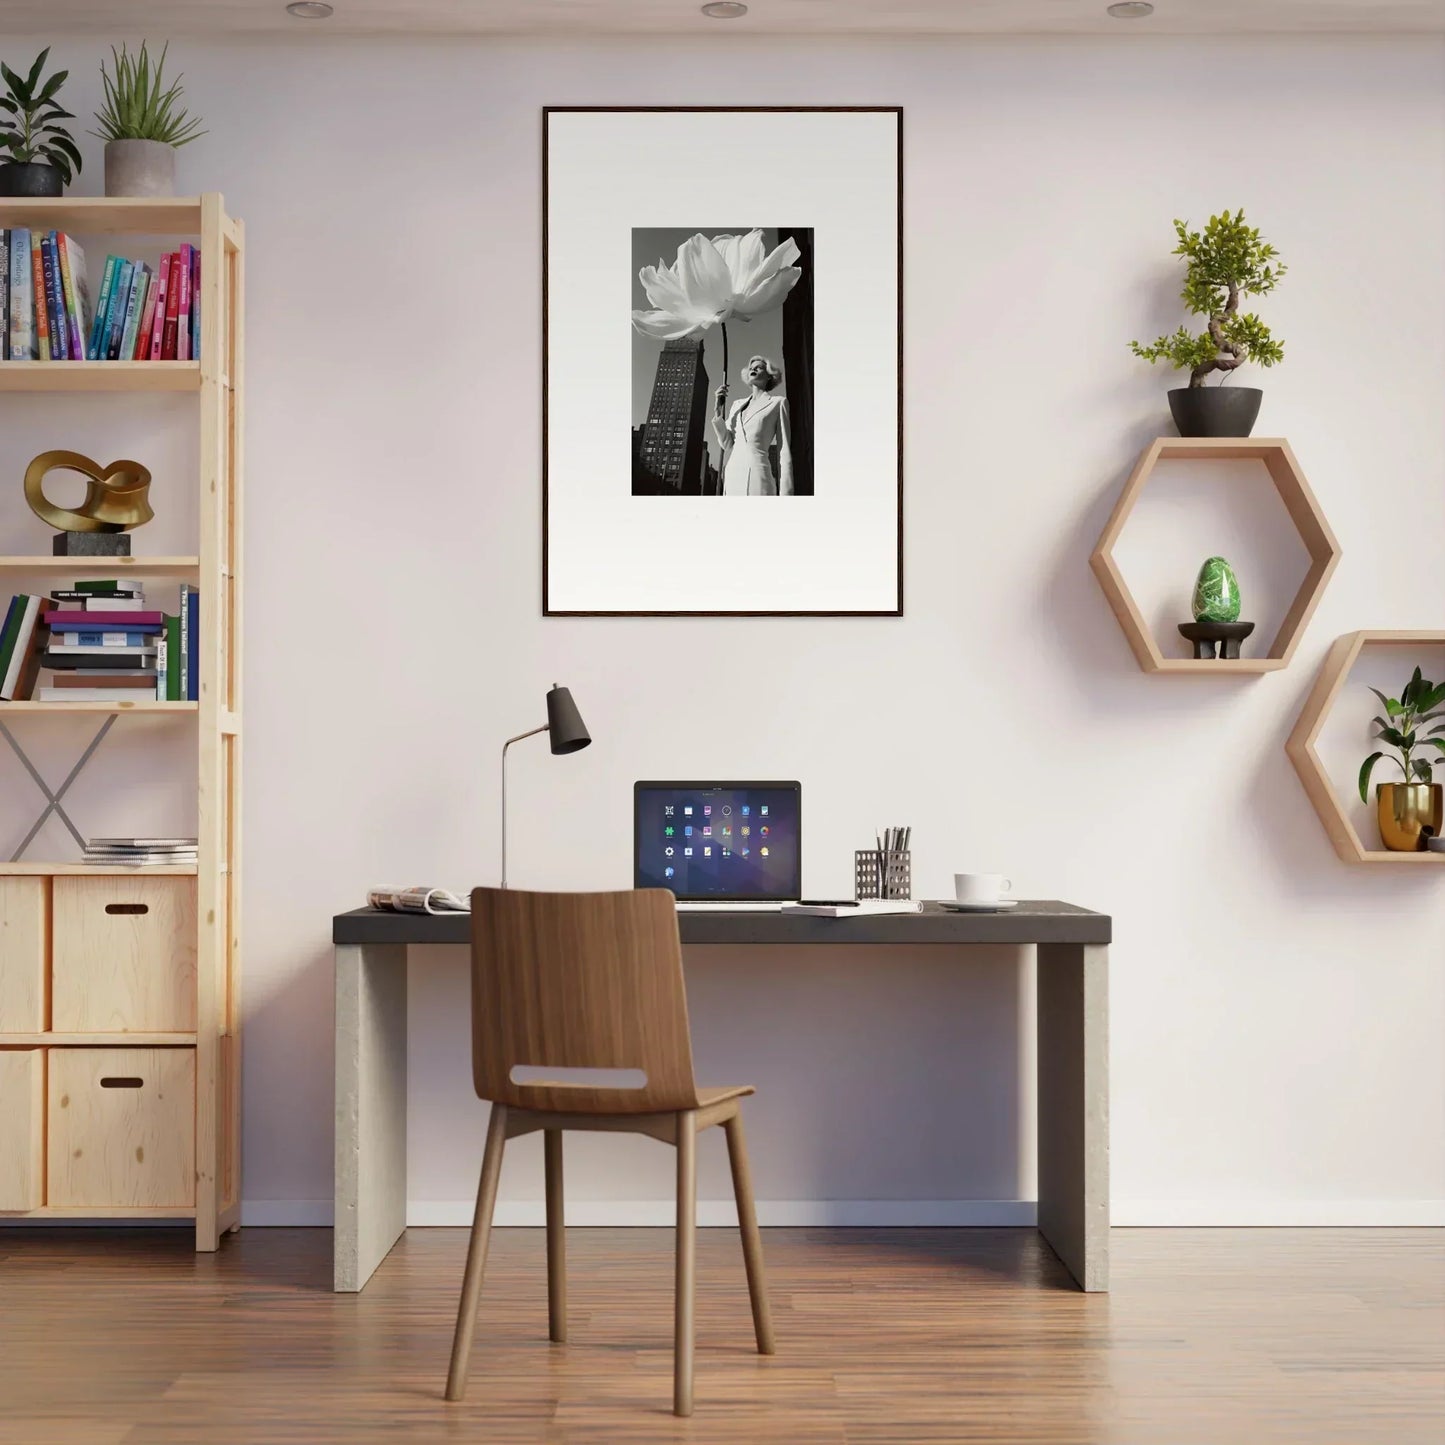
867,909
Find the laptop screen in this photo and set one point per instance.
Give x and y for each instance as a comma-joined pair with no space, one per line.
724,841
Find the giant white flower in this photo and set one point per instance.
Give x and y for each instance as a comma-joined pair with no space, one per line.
730,278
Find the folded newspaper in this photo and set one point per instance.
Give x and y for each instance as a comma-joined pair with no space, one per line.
417,900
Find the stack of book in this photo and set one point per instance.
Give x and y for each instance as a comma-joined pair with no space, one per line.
139,852
102,644
140,313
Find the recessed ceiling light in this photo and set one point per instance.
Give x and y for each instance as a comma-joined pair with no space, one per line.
1131,9
310,9
725,10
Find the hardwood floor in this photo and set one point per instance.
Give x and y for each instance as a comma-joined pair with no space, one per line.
1210,1337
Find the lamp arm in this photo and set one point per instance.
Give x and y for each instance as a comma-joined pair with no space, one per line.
531,734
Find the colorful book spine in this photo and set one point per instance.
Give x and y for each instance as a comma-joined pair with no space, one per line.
4,295
77,302
8,631
195,304
101,639
133,309
102,306
69,620
142,349
193,646
163,667
173,301
183,306
55,299
37,286
158,323
22,305
120,299
24,664
173,659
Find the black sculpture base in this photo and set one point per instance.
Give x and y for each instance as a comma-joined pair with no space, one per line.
91,544
1207,635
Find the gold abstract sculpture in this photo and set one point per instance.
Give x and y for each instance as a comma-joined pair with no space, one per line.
115,496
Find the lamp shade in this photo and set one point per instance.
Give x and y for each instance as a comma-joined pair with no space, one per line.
566,730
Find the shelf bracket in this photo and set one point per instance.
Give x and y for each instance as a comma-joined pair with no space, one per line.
53,803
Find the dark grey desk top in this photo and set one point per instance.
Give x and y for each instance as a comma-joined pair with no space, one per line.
1033,921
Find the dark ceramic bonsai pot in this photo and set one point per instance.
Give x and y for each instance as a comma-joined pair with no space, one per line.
1215,411
30,178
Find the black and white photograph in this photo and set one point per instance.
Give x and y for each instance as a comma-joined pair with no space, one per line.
722,361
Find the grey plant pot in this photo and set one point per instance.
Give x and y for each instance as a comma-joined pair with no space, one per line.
140,168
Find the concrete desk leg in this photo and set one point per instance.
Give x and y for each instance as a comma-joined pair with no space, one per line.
1073,1050
370,1108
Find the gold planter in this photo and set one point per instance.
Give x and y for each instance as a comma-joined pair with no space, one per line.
1409,813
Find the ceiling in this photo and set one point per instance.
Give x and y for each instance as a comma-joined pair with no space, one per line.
681,17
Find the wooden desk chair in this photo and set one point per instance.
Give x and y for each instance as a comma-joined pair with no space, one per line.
593,981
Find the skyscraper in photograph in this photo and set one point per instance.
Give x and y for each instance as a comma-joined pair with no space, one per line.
672,456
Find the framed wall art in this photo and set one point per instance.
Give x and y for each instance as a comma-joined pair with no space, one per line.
723,361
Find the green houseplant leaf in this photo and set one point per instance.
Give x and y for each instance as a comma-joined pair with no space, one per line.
33,135
1366,768
137,103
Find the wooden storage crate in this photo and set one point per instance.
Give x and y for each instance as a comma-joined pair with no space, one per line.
121,1128
24,950
124,955
22,1128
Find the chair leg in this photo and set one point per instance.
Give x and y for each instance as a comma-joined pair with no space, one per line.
686,1263
477,1252
556,1238
752,1240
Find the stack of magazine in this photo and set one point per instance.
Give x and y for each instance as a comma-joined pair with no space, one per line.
140,852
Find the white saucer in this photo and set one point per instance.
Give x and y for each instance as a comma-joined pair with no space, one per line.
954,907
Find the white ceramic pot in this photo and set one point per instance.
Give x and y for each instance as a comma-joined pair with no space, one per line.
140,168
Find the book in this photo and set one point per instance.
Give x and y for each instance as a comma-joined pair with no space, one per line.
77,293
133,308
8,631
868,908
54,299
69,621
111,681
142,348
122,659
115,319
4,295
25,655
195,304
99,600
173,301
147,843
22,301
37,288
417,900
158,322
108,586
193,646
183,306
102,309
101,639
173,659
163,648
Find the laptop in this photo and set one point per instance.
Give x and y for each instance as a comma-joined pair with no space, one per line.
719,845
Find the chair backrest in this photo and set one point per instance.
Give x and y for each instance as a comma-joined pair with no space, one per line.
580,981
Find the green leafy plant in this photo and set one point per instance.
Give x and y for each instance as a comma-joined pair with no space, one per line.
1421,702
29,110
1225,263
139,105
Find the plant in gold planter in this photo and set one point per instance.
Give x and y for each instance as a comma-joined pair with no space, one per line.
141,125
1410,812
1226,262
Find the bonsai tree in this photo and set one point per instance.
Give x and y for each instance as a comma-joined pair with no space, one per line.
1419,703
1225,263
138,103
29,134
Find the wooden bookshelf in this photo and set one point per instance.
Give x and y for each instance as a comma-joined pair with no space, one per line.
48,926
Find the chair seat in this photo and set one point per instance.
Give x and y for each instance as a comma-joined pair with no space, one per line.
708,1097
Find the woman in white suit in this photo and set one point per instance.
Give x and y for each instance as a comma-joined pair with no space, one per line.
750,431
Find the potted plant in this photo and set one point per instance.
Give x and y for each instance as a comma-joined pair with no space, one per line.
1224,264
141,125
39,156
1410,811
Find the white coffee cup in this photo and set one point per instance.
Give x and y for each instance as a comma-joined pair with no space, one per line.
980,887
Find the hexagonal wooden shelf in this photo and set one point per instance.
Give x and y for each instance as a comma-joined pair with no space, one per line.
1304,512
1301,746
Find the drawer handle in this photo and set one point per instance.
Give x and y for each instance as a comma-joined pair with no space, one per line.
127,908
114,1082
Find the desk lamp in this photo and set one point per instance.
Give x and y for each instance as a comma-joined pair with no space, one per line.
568,734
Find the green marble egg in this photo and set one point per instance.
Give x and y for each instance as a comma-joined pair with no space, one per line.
1216,592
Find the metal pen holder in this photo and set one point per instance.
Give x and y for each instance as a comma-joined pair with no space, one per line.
882,874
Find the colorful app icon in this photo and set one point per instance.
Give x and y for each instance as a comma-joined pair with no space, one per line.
746,830
687,830
727,832
763,851
707,852
668,852
746,810
764,830
745,852
727,853
707,831
727,808
763,811
707,810
669,872
669,830
667,811
687,852
687,810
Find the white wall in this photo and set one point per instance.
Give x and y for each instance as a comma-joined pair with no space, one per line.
1277,1016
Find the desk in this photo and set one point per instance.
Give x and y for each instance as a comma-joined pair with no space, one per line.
1073,1056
